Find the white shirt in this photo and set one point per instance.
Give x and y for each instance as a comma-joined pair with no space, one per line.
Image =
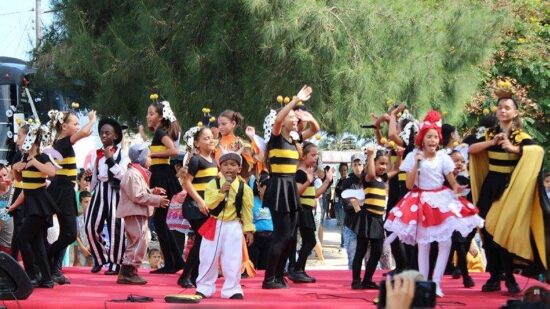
101,172
432,172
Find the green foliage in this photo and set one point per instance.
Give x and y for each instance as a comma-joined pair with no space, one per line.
241,54
524,56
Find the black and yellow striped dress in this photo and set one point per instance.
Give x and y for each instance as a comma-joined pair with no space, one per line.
202,171
394,194
306,218
281,194
37,202
501,166
371,217
163,175
62,187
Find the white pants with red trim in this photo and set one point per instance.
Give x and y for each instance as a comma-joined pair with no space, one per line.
227,247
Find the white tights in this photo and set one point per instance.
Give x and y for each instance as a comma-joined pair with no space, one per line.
441,263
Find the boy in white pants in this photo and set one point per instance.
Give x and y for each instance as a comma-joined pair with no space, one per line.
229,200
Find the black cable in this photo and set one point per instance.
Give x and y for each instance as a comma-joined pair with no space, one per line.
333,296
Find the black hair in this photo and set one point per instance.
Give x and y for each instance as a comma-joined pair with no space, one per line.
447,133
83,195
380,153
307,147
546,175
199,133
343,164
172,128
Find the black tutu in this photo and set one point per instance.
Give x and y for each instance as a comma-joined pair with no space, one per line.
38,202
306,219
370,226
281,194
63,193
164,176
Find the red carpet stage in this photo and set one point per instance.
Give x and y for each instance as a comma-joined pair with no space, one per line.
332,290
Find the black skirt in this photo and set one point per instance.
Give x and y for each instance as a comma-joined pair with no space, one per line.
492,188
164,176
281,194
190,210
306,219
63,193
38,202
370,226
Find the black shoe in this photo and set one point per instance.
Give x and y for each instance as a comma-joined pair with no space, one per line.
312,279
491,286
299,277
282,281
185,283
369,285
200,294
457,274
111,272
47,284
272,283
512,286
356,285
34,283
237,296
96,268
392,272
61,279
468,281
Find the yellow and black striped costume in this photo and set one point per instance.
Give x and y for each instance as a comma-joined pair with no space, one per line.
203,172
307,199
37,200
281,193
505,187
370,219
62,188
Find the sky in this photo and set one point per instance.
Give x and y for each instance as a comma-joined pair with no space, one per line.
17,26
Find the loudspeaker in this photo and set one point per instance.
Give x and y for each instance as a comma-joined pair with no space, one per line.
14,282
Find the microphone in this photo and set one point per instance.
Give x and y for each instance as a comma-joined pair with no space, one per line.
368,126
229,180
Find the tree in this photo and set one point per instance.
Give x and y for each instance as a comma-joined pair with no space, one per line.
523,58
241,54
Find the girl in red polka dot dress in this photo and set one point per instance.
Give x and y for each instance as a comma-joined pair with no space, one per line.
430,211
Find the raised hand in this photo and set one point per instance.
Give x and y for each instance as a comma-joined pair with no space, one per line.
304,94
304,116
250,132
92,116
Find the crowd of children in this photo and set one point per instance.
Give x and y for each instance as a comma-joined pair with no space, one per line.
424,192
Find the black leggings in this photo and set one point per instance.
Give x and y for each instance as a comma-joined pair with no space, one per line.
191,269
399,254
376,246
172,256
499,261
308,243
284,227
67,235
32,247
